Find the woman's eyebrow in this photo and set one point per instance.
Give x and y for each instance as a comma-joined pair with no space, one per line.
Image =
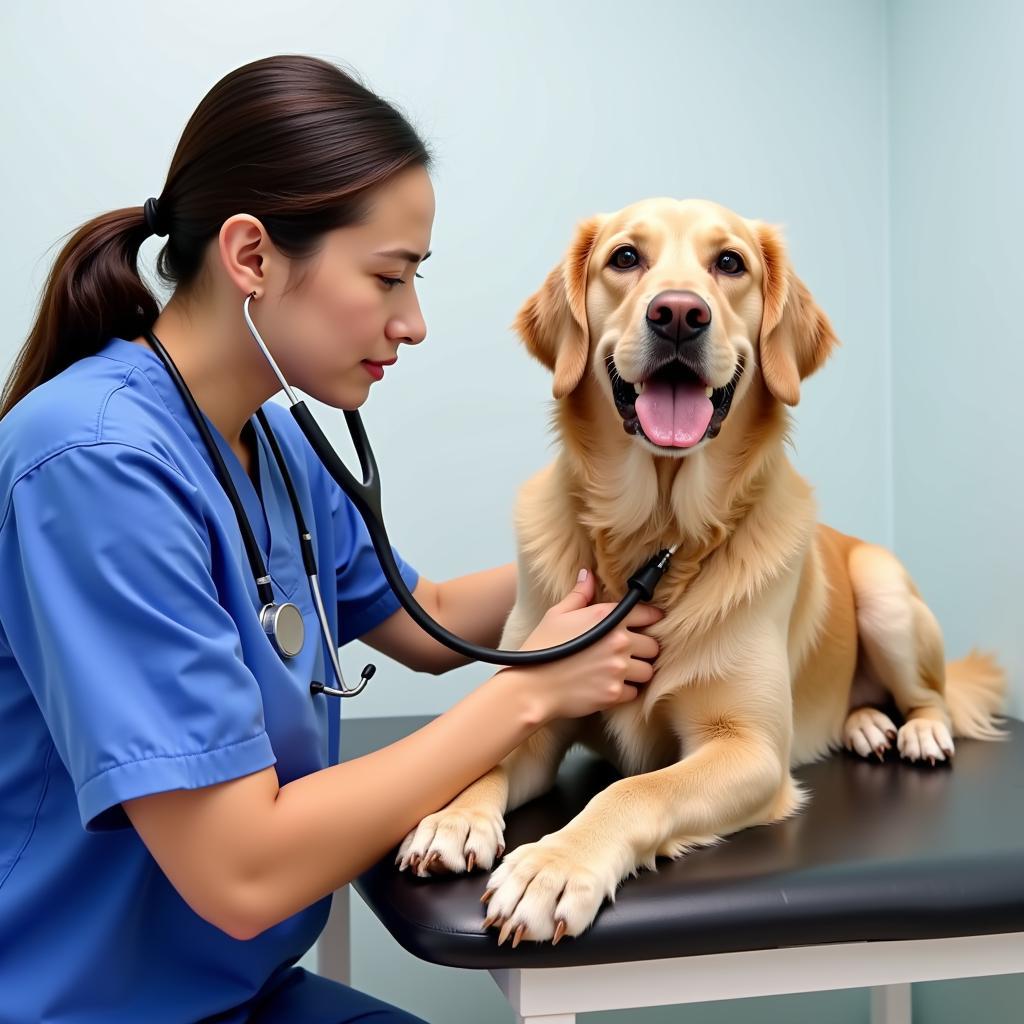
406,254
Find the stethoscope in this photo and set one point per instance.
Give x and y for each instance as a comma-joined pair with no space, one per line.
283,623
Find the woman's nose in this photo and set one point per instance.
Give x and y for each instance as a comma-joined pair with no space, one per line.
411,329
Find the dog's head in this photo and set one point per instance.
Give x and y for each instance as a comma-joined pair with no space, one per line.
676,306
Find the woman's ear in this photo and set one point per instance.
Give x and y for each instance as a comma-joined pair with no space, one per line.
553,321
796,335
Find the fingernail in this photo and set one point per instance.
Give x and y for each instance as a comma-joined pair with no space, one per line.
582,576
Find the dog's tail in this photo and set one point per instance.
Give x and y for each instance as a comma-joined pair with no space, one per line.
975,691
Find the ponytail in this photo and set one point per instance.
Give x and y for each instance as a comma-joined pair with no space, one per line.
290,139
94,291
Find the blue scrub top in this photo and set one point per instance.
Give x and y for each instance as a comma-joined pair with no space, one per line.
132,661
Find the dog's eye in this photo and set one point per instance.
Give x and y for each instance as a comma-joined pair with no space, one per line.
624,258
730,262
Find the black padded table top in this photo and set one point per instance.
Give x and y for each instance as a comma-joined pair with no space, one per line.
882,851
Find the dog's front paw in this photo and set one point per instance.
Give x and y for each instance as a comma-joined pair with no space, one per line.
921,739
544,890
455,839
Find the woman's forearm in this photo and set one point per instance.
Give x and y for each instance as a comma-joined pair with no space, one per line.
248,853
476,606
331,826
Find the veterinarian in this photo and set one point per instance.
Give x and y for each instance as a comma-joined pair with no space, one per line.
173,816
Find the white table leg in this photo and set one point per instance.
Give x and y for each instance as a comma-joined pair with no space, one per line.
334,947
890,1004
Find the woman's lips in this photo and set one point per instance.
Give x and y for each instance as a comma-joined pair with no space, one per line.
375,369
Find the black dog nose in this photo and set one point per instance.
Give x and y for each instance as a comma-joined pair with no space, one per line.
678,316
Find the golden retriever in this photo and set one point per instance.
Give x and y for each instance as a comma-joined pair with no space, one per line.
678,334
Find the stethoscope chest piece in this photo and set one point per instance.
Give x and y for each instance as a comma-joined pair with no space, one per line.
283,624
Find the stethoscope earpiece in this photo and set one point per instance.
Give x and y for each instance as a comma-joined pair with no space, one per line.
368,671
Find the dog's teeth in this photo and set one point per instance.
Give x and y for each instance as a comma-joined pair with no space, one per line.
638,388
709,391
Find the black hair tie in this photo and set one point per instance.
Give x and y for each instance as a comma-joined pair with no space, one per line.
152,214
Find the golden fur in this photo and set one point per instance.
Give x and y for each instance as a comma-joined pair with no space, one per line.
782,638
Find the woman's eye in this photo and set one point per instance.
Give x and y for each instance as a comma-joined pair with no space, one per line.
392,281
624,258
730,262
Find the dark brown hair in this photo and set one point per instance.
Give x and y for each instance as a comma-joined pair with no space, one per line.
292,140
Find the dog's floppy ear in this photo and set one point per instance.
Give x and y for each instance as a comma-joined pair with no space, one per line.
553,321
796,335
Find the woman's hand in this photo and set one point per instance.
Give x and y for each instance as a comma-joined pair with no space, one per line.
607,673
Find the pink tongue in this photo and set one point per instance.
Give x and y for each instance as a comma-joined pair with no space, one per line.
674,415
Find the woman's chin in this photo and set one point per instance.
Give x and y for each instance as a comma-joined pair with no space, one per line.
346,393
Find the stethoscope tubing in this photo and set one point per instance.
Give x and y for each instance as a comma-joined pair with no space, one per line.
366,496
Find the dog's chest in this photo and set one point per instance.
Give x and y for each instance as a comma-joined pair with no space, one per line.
633,744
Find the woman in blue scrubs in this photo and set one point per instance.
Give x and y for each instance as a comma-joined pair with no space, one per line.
173,818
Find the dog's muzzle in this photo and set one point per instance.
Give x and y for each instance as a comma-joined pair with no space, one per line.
674,407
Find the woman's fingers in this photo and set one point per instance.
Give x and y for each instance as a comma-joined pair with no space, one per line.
639,671
644,646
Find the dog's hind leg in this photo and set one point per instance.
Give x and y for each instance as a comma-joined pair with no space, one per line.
902,643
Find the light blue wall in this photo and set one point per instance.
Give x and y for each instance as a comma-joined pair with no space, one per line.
540,114
555,111
957,215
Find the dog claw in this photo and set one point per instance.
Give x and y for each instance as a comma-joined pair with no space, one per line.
490,920
471,861
506,930
559,933
520,932
880,753
487,896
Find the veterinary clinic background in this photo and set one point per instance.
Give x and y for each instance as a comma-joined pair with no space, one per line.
881,138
